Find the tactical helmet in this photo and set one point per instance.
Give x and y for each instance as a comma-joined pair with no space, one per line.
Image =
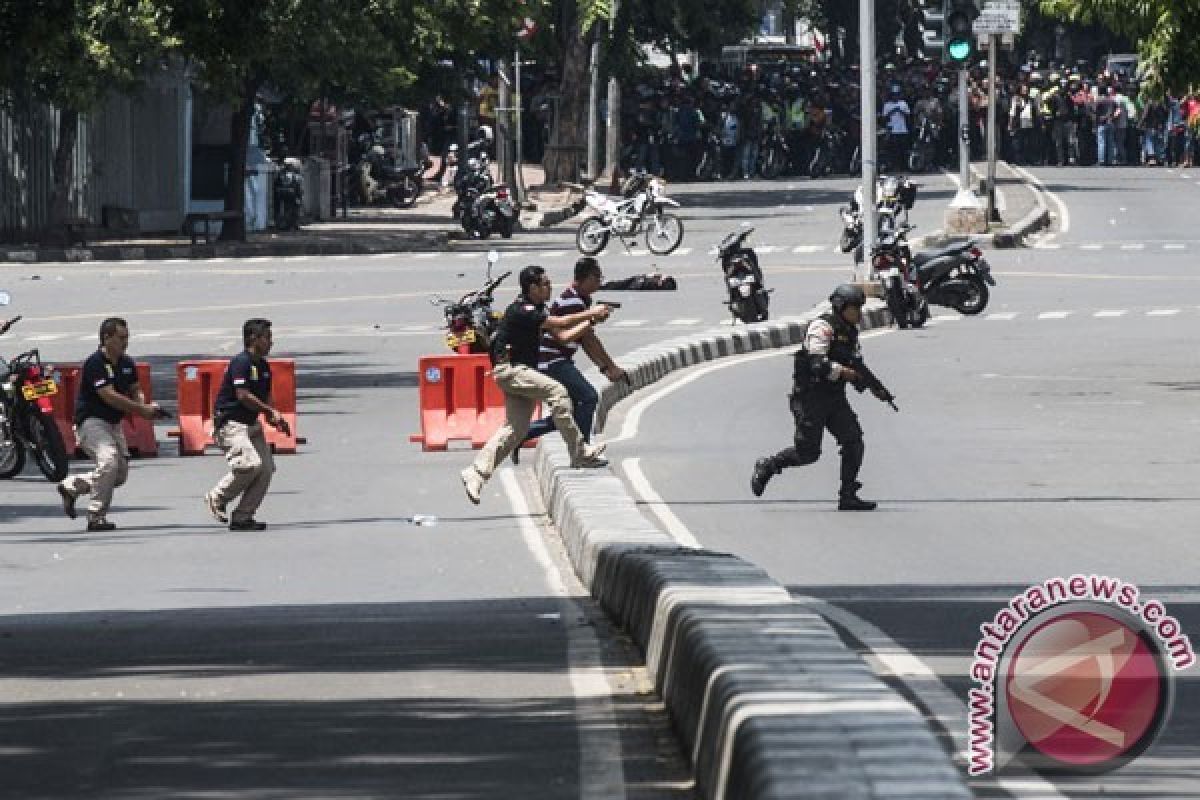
847,295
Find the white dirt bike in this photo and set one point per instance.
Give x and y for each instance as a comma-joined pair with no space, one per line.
641,207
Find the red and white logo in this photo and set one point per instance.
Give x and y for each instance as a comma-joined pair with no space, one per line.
1087,689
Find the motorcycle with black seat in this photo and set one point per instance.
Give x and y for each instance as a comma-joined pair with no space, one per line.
749,299
471,322
27,414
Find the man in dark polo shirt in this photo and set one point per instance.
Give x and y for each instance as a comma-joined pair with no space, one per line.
108,391
514,354
244,396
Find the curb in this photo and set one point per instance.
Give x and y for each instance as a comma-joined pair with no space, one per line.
409,243
766,699
1033,221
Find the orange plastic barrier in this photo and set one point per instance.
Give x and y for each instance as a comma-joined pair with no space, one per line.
460,401
139,433
200,381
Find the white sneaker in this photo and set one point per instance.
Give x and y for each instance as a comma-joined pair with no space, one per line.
473,484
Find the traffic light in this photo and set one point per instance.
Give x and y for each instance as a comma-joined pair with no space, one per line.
960,38
933,17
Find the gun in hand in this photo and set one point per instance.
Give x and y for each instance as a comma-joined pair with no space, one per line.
869,380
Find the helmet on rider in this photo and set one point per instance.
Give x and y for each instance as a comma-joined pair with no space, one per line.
847,295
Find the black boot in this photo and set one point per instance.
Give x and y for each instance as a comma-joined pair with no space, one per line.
848,499
764,470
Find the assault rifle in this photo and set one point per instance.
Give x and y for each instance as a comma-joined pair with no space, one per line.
869,380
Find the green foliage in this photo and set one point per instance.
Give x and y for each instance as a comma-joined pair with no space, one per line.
1164,29
69,52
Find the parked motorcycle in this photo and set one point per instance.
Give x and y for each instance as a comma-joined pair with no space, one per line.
895,197
380,182
27,418
749,298
488,212
289,195
641,206
957,277
471,180
471,322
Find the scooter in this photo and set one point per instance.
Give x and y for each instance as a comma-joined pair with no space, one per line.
749,299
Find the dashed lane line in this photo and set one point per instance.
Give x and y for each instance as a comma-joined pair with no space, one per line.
1163,312
1054,314
1002,316
1109,314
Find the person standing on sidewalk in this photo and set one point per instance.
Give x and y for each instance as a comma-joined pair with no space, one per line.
244,396
514,355
557,359
108,391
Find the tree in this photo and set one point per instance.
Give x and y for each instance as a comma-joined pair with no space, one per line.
70,53
1165,30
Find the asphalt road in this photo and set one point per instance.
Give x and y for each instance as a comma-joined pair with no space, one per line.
1052,436
349,652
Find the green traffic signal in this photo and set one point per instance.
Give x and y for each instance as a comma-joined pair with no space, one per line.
959,50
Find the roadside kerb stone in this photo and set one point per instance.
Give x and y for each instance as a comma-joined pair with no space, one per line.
765,697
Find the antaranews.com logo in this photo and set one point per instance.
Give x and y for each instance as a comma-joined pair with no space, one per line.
1073,674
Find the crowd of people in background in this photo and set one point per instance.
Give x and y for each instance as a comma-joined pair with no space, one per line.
687,126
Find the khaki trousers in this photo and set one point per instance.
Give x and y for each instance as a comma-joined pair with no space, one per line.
523,387
104,443
251,466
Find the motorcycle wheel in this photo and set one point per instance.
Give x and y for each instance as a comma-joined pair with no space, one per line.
921,315
897,306
977,301
664,234
761,303
49,452
505,227
12,457
591,237
404,195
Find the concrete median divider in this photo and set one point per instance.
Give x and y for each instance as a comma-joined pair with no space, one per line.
765,698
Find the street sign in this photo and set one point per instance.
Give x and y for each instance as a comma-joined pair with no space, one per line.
998,17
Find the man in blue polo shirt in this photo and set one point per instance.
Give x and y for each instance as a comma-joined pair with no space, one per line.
244,396
108,391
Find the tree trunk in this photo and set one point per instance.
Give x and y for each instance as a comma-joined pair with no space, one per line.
64,174
564,156
234,230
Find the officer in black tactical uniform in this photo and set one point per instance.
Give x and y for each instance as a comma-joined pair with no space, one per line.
829,359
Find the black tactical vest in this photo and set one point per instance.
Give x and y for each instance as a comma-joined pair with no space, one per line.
842,350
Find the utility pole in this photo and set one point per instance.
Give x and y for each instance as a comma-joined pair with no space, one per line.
993,55
593,155
504,127
866,36
519,186
612,140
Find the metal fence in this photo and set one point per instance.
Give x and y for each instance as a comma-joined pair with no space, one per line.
28,139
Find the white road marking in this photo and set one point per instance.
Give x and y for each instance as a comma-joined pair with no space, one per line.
769,249
1163,312
380,256
1003,316
1091,247
947,318
888,656
1054,314
655,504
554,254
629,323
1109,314
601,770
468,255
1064,214
425,256
46,337
809,248
1133,246
682,322
1174,247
